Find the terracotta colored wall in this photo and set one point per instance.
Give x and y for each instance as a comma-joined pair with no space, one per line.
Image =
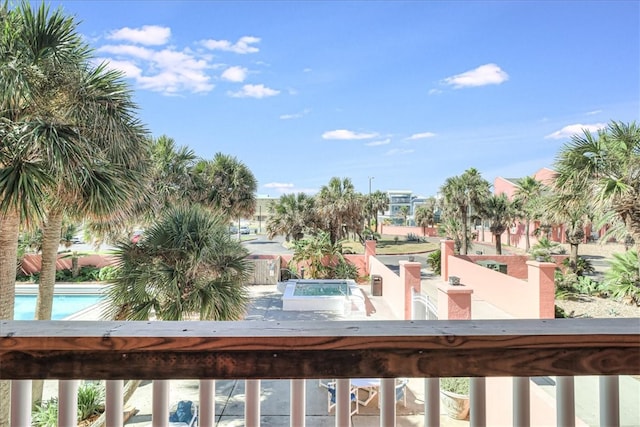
516,264
501,185
511,295
397,230
32,263
392,287
357,259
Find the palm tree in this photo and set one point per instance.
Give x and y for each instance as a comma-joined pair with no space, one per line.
462,194
403,213
339,209
185,266
498,210
290,216
226,184
425,214
606,169
527,195
379,203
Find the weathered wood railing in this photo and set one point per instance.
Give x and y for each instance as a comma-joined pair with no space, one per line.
302,350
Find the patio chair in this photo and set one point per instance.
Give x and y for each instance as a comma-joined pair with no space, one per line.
184,413
331,397
401,391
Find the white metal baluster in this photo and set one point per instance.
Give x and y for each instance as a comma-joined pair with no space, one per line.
160,397
609,400
20,403
478,401
252,403
343,402
114,407
565,401
432,402
68,403
207,409
388,402
521,410
298,402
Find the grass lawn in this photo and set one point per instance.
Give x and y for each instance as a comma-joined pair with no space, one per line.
387,245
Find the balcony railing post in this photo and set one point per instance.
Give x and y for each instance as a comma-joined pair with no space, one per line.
114,408
252,403
478,402
609,400
298,403
207,410
388,402
68,402
343,402
432,402
160,405
565,401
21,402
521,398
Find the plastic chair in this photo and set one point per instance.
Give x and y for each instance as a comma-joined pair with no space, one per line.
184,414
401,391
331,397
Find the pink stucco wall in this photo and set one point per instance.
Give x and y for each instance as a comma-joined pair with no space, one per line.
392,287
32,263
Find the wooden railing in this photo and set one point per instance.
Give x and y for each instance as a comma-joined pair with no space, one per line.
68,350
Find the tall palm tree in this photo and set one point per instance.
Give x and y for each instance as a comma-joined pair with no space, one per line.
425,214
379,203
185,266
290,216
462,195
226,184
498,210
403,213
339,208
605,169
528,194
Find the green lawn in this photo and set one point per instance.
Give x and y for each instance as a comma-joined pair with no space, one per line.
387,245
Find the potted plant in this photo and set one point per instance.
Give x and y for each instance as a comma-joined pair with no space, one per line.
454,394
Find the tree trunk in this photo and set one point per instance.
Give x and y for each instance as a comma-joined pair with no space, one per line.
573,256
526,232
75,265
9,227
498,243
465,233
44,304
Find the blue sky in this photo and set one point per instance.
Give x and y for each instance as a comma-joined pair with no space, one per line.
408,93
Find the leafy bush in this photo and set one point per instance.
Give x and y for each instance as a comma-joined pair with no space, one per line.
45,414
458,385
345,270
434,261
90,400
545,248
412,237
107,273
622,279
582,267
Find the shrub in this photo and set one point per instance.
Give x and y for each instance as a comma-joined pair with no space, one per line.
458,385
434,261
622,279
412,237
107,273
45,414
345,270
582,267
90,400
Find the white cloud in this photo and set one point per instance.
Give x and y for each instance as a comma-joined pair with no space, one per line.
254,91
395,151
242,46
278,185
150,35
435,91
167,70
488,74
307,70
376,143
234,74
296,115
593,113
576,129
347,134
422,135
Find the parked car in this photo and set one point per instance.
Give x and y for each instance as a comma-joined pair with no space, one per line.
245,230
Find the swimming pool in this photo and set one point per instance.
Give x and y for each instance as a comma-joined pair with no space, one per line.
67,300
337,295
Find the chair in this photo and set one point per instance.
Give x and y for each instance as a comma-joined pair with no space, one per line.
184,413
331,397
401,391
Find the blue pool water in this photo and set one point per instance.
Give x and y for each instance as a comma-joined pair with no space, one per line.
63,305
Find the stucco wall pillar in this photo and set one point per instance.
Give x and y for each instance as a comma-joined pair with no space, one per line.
369,250
409,277
454,302
447,247
541,276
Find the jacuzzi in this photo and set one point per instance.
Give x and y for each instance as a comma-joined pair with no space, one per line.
337,295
